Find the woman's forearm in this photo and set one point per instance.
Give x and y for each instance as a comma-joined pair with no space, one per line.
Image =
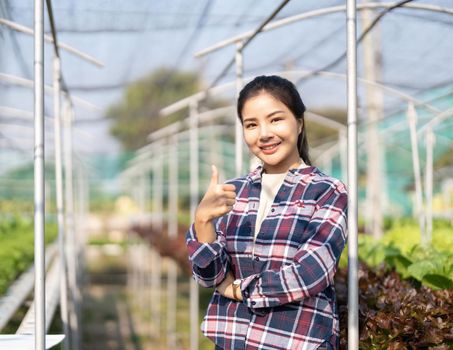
226,288
205,231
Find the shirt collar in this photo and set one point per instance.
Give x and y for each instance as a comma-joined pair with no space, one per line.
293,175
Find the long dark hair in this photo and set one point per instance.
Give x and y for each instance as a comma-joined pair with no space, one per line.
284,91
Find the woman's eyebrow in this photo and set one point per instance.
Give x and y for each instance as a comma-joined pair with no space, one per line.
274,112
247,119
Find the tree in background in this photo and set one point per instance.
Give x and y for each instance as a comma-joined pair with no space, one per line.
137,114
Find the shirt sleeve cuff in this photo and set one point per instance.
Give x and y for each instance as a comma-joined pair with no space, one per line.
202,254
255,304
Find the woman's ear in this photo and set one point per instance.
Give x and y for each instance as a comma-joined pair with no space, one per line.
300,126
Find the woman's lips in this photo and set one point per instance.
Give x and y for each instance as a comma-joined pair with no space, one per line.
270,149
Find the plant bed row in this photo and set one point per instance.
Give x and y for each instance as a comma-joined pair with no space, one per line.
17,248
396,310
395,313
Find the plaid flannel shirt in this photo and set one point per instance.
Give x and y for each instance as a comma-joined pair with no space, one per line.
287,273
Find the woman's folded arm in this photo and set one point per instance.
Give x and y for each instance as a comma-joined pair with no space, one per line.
314,265
210,261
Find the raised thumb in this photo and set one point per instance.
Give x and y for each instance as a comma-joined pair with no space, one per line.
214,175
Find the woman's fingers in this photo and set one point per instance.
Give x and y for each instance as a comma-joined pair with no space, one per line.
219,198
224,209
228,187
230,195
230,202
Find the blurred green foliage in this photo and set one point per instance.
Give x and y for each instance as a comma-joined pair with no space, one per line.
400,249
137,114
16,207
17,247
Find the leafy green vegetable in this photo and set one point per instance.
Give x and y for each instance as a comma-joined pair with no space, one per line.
396,313
17,247
400,249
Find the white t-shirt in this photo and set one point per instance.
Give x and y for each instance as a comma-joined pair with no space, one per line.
270,184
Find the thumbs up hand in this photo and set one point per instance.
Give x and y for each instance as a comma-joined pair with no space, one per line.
217,201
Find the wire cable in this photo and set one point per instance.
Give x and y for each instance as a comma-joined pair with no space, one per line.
196,32
359,40
16,47
246,42
322,41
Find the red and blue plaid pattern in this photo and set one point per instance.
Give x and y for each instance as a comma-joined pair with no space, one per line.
289,297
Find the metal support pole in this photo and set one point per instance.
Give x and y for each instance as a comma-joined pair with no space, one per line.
146,192
194,171
343,141
84,184
39,193
136,272
70,230
238,129
316,13
142,185
353,286
430,141
142,269
213,147
412,119
136,191
80,222
158,225
374,110
59,200
172,233
78,232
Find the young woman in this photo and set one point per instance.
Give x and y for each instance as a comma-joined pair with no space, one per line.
269,242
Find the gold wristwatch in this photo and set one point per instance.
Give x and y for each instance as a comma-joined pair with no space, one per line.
236,288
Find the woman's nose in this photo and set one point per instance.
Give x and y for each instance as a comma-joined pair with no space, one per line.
265,132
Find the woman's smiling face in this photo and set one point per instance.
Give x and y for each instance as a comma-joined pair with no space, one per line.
270,132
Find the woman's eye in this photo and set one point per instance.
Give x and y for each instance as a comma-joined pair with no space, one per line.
249,126
276,120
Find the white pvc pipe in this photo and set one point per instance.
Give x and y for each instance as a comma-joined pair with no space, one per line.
391,91
297,74
430,141
19,114
39,195
158,210
325,121
78,229
19,81
23,29
412,120
353,287
166,130
82,214
439,118
59,202
343,142
185,102
71,245
238,126
317,13
194,171
172,234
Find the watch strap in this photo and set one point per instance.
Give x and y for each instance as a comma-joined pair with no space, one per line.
236,288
